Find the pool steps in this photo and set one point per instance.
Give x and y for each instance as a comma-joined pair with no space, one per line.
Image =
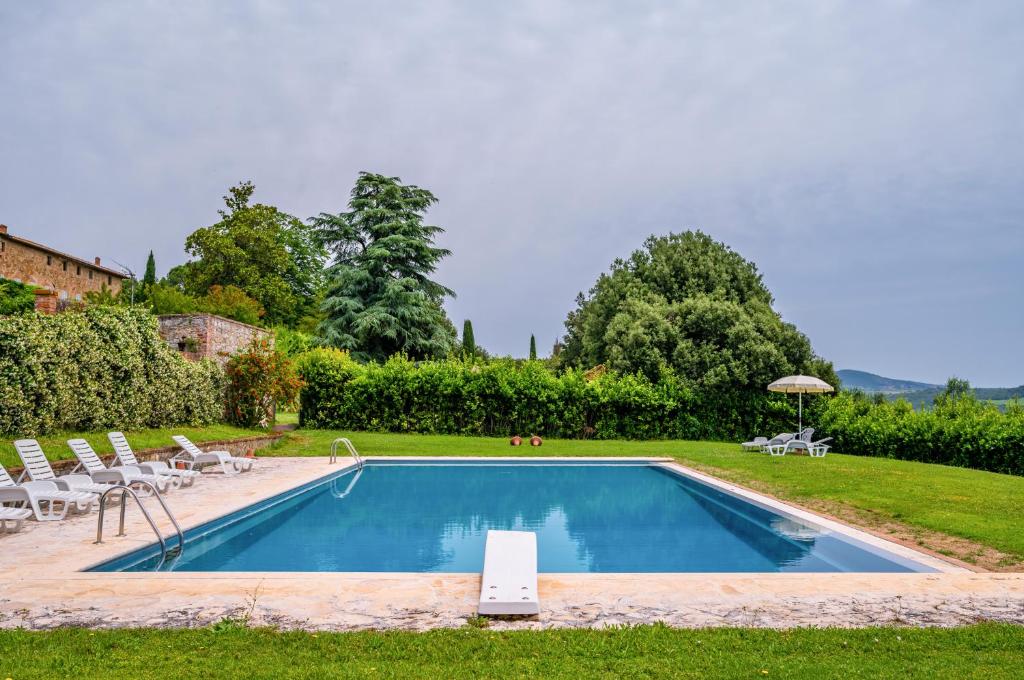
509,583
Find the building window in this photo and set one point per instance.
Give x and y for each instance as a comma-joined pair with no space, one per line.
3,245
110,280
90,274
49,260
64,294
65,265
78,270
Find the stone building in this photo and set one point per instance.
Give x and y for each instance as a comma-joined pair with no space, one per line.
208,336
58,276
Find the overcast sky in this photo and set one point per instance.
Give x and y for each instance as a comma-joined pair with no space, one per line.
868,156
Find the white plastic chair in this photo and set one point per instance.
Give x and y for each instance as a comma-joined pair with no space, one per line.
193,456
43,499
125,456
125,474
15,515
37,469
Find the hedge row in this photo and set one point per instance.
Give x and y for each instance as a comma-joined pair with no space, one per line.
962,432
105,367
505,397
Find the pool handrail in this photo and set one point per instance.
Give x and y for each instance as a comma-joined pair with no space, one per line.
125,490
351,451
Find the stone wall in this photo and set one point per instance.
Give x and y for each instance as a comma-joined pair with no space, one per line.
207,336
38,265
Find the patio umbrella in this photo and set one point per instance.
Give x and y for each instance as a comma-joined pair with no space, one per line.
801,384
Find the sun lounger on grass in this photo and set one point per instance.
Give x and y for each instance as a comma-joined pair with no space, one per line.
42,499
125,456
126,474
193,456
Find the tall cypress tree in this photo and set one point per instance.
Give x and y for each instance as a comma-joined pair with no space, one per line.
150,276
380,298
468,341
533,348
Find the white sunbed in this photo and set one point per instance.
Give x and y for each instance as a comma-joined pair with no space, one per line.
15,515
125,456
756,444
192,456
124,474
816,449
37,469
43,499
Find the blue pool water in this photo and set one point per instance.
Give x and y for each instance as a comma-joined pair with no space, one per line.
588,518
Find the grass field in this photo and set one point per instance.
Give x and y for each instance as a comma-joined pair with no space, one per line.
983,508
992,652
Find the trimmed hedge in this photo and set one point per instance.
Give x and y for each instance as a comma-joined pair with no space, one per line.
959,431
105,367
504,397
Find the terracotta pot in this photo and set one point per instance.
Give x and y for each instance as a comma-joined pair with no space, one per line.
536,441
516,441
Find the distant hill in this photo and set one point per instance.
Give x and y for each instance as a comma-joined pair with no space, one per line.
918,392
872,383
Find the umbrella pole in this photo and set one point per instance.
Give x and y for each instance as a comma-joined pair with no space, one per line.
800,411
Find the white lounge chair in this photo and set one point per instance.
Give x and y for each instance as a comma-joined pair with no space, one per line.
125,456
16,516
43,499
192,456
37,469
124,474
756,444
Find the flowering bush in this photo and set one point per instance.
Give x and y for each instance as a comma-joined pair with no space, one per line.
259,378
104,367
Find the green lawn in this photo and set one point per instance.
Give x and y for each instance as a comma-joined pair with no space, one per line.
56,448
983,507
227,651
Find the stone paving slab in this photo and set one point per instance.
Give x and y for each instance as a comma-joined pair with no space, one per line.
43,587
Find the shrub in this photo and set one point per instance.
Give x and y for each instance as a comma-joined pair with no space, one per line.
258,378
960,431
104,367
16,298
503,397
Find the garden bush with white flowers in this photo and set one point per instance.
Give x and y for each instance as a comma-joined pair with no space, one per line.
101,368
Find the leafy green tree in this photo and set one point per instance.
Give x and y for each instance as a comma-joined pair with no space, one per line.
688,305
16,298
227,301
149,278
380,298
533,348
468,341
270,255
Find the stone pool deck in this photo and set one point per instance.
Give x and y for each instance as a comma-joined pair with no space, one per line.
43,585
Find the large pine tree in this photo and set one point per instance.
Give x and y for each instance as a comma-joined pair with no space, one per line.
380,298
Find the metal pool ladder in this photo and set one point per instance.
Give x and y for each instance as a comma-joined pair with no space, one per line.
175,552
351,451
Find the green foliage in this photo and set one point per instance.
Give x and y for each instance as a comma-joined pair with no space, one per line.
149,278
258,378
503,397
226,301
271,256
292,343
105,367
688,304
533,348
16,298
468,341
380,299
959,431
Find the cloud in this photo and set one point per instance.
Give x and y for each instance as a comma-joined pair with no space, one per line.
866,156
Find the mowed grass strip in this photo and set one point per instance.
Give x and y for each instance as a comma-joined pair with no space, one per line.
56,448
982,507
987,651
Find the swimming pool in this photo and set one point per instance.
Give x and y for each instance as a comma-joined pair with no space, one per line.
433,516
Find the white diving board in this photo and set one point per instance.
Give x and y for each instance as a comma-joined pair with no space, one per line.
509,583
